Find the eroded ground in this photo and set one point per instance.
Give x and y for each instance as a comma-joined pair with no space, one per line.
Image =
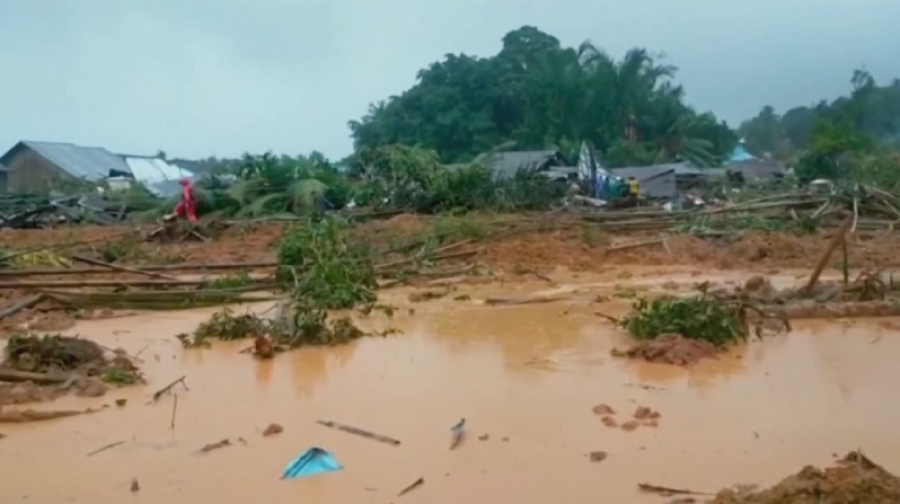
541,393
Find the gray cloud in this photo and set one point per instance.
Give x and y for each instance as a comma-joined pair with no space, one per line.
200,77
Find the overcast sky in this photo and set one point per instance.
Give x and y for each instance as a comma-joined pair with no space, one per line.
221,77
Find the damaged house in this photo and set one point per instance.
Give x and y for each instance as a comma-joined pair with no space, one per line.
39,166
551,162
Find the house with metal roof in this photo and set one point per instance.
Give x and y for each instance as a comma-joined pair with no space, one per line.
506,164
663,180
656,181
751,171
38,166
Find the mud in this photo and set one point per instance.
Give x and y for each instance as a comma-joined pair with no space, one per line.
853,479
565,241
671,349
539,378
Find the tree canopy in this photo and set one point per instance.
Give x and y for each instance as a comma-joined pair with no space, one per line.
536,94
870,110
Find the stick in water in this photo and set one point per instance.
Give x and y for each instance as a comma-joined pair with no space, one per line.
159,393
174,409
104,448
360,432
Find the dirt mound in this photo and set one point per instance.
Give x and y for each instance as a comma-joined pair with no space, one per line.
670,349
51,353
42,368
853,480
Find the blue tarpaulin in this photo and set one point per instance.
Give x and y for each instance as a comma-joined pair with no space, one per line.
313,461
740,154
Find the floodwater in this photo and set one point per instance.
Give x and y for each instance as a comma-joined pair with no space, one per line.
527,376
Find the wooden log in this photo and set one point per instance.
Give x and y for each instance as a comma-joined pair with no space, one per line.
117,267
142,268
829,250
21,305
14,375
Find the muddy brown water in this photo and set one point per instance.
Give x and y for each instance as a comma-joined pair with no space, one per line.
528,376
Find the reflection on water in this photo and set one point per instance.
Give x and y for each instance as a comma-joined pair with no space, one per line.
526,375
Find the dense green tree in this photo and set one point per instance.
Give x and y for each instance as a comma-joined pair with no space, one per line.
869,110
832,145
537,94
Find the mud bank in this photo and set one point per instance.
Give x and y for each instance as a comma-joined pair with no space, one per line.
526,377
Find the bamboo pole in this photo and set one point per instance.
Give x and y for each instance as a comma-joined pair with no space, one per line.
142,268
829,250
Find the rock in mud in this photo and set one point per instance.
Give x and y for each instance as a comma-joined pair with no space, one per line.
645,413
671,349
603,409
263,347
854,479
598,456
89,387
28,392
273,429
630,425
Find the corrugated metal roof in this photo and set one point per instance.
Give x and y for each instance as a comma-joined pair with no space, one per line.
158,176
512,161
90,163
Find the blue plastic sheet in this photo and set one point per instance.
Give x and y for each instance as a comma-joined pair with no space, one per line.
313,461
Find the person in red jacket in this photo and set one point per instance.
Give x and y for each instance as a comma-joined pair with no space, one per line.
187,207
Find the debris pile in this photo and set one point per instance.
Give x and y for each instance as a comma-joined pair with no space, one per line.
38,368
703,317
683,330
296,324
797,212
853,480
34,211
320,270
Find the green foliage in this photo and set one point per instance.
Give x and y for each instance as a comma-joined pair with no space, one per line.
538,93
302,325
701,317
318,264
233,281
321,270
225,325
411,178
122,250
830,143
